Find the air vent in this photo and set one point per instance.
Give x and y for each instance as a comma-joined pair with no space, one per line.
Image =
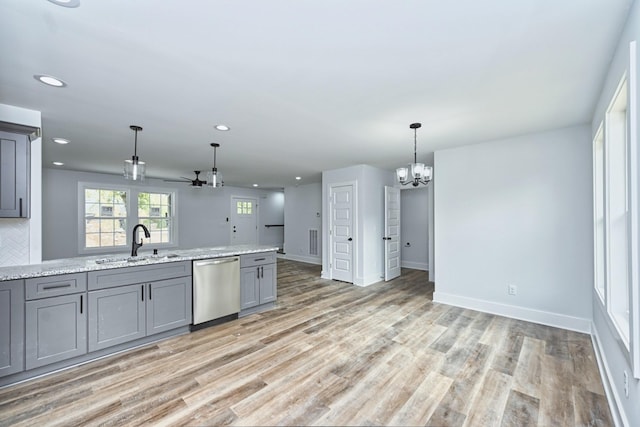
313,242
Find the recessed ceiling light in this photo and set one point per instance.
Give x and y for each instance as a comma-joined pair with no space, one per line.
222,127
60,141
255,185
58,163
66,3
49,80
298,178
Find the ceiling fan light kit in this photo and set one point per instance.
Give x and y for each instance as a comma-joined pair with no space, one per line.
420,173
134,169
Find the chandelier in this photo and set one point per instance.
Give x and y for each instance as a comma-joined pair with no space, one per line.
420,174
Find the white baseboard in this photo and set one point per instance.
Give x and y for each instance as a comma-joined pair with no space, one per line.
619,418
308,260
415,265
571,323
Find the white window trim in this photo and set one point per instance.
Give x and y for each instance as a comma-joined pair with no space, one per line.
601,295
132,217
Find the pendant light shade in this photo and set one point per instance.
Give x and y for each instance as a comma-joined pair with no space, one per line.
420,173
134,168
214,178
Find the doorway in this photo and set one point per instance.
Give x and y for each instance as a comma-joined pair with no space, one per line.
244,220
341,233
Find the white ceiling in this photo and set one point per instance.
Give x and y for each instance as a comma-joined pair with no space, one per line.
305,86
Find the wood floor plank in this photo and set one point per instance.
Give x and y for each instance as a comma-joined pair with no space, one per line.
333,353
489,403
556,404
529,368
590,408
521,410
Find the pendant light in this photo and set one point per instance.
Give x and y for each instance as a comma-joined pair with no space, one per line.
134,168
214,179
420,174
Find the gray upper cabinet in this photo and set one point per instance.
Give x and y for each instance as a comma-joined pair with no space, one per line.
11,327
14,175
116,316
56,329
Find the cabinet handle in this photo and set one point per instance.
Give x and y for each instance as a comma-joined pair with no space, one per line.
149,290
259,259
257,272
81,303
142,290
20,207
262,272
46,288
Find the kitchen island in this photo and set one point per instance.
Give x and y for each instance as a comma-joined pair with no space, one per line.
64,312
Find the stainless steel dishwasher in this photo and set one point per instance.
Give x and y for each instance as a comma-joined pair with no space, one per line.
216,289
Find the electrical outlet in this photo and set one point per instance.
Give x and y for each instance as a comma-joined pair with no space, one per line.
512,289
626,384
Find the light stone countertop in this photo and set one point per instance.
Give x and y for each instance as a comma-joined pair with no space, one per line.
110,261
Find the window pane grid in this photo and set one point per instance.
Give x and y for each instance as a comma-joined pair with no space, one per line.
105,218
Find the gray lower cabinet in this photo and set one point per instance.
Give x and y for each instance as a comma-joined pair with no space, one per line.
126,313
116,315
257,280
169,304
55,329
11,327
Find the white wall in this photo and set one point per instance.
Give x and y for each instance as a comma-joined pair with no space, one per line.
614,357
368,246
414,230
517,211
20,239
302,212
202,213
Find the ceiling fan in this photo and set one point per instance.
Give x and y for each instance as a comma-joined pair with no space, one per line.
195,183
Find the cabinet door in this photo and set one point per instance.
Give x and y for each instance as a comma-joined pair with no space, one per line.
56,329
14,175
268,291
116,315
168,304
249,287
11,327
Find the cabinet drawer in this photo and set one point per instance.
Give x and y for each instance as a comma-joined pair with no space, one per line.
249,260
103,279
52,286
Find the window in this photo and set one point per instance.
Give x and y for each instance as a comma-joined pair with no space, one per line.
612,187
617,205
105,218
154,211
109,212
244,208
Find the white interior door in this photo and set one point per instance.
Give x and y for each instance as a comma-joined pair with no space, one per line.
244,221
392,233
341,232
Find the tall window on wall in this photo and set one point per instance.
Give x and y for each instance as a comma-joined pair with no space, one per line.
618,210
611,213
108,214
155,212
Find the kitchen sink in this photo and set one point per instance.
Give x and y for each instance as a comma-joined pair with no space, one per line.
133,260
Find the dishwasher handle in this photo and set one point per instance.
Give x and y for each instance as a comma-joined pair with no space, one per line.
216,261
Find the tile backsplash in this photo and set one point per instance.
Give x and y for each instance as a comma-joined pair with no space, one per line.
14,242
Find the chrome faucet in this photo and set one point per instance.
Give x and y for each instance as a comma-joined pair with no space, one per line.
135,245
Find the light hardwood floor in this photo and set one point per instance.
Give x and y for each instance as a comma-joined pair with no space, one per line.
334,354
